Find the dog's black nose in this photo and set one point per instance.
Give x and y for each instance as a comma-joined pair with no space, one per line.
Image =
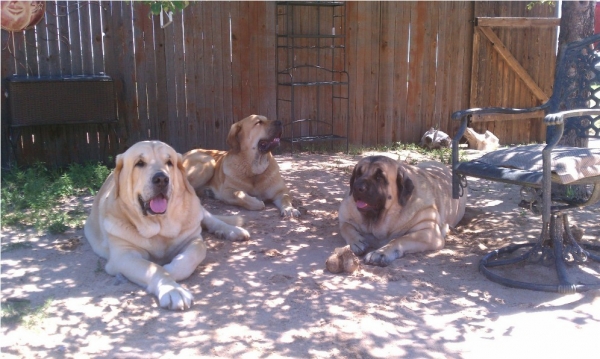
160,179
360,186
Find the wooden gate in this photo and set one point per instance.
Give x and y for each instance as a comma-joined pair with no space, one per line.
513,66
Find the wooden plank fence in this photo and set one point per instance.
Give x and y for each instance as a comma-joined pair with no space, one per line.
409,64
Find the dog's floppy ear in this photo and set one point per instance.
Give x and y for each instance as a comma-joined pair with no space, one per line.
232,138
183,174
405,187
353,178
117,173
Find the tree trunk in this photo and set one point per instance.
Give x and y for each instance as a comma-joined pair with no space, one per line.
576,23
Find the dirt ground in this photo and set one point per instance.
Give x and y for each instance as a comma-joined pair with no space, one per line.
271,296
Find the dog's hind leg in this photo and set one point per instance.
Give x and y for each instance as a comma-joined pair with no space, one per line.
217,225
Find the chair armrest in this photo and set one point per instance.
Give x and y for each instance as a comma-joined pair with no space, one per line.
488,110
558,118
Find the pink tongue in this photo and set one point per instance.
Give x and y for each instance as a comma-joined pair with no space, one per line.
361,204
158,204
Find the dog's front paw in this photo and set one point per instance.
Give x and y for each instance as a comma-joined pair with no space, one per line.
233,233
359,248
290,212
381,257
174,297
256,205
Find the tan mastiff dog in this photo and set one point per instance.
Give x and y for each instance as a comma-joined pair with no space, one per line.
146,221
394,208
247,175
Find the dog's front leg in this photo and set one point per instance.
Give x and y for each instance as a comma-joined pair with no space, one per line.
283,201
184,264
358,244
242,199
135,267
426,239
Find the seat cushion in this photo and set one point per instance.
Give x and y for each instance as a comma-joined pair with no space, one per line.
569,164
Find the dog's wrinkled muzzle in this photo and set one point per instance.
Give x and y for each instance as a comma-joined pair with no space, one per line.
158,203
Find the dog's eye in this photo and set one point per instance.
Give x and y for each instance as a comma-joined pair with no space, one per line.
140,163
379,176
169,163
258,123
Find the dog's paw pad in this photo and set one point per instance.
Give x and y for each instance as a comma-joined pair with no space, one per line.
358,248
377,258
238,234
290,212
233,234
175,298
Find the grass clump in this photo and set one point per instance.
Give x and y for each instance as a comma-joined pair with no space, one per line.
33,196
21,312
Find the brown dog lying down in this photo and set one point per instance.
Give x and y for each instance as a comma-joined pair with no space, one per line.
395,208
146,221
247,174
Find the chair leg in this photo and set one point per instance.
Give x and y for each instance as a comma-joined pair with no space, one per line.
556,246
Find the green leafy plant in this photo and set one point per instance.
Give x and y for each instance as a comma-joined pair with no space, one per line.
157,6
532,4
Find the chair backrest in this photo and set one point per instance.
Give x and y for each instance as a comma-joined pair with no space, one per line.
577,85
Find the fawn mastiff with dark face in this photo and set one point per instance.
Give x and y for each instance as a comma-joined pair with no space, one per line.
395,208
247,175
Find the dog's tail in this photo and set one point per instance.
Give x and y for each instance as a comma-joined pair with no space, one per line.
231,220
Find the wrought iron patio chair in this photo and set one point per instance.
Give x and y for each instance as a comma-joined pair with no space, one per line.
573,106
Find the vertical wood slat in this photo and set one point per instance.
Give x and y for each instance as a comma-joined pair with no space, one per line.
170,77
371,93
64,38
209,114
49,25
415,85
162,102
6,66
217,121
266,53
126,59
440,97
201,88
401,44
227,87
25,43
427,105
75,40
236,67
142,63
359,63
86,36
96,37
179,72
191,123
